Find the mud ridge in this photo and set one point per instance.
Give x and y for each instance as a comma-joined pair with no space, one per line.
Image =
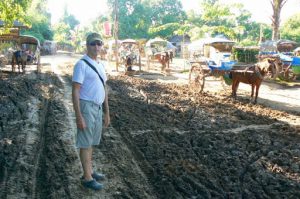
34,158
209,147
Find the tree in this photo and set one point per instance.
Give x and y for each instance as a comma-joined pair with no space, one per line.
62,33
291,28
69,19
40,20
231,20
166,17
97,24
13,10
215,19
277,6
66,32
144,18
134,20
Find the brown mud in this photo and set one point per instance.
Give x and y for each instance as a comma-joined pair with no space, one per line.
164,141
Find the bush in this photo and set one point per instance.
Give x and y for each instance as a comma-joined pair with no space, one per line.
245,54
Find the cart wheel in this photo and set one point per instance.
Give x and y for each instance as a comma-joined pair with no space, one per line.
196,79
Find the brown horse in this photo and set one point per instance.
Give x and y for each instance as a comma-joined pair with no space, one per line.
19,57
164,59
253,76
128,61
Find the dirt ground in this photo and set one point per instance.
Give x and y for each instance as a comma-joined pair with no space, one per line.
164,141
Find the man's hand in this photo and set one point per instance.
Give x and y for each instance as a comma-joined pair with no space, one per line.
106,120
80,122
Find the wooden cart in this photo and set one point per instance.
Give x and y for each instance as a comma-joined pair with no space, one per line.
203,69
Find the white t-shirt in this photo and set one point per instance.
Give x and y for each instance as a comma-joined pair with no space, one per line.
92,88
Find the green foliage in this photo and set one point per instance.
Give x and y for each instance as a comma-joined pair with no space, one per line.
167,17
245,55
197,33
13,10
69,19
148,19
248,42
66,33
133,16
62,33
231,20
164,29
291,28
40,20
40,29
145,19
164,18
215,13
166,11
97,25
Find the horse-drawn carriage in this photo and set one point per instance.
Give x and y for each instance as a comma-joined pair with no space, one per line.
205,66
129,53
23,50
209,57
159,50
283,51
31,46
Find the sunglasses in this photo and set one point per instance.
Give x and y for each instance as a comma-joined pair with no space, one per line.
96,43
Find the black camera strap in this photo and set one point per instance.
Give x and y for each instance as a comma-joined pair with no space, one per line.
93,67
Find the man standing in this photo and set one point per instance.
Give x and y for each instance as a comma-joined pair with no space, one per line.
88,94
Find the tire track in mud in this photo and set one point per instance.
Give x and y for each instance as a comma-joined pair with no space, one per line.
59,155
39,161
64,168
16,153
47,139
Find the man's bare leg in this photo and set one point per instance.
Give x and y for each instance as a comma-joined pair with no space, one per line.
86,161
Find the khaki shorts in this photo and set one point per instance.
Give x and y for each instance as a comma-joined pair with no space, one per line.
91,135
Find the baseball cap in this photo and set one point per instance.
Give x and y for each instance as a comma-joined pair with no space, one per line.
93,37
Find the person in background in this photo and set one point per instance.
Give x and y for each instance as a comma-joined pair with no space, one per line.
89,96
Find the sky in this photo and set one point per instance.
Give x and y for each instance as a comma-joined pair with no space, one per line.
86,10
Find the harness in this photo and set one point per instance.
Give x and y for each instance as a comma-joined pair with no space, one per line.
256,71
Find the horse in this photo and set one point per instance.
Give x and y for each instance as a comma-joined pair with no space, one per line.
164,59
128,59
252,75
19,57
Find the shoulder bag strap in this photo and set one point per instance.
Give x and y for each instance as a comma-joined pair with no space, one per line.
93,67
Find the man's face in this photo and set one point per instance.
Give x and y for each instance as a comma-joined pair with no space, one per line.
94,47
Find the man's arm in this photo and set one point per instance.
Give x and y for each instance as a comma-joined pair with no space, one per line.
76,104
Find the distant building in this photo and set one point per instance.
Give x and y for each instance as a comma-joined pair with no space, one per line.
178,40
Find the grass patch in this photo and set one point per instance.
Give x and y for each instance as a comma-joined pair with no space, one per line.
284,82
185,71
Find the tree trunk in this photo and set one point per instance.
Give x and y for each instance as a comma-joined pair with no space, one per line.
277,6
116,30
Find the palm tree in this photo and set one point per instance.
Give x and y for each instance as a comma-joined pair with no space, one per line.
277,6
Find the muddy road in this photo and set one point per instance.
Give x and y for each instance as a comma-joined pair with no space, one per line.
164,141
